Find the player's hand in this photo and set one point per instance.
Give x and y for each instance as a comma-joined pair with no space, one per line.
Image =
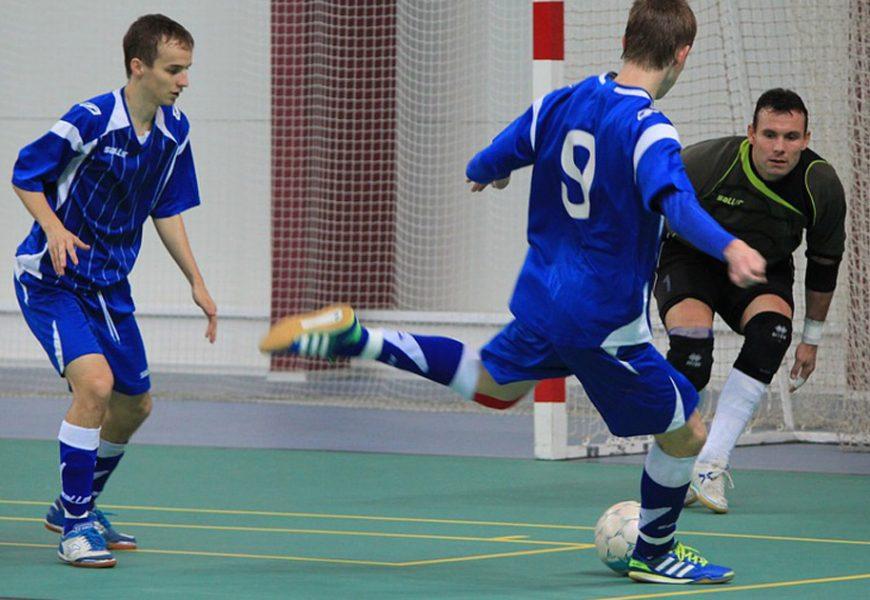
804,365
498,184
61,242
208,306
745,265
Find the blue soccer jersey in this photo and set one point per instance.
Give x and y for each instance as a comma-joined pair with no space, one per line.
103,182
603,156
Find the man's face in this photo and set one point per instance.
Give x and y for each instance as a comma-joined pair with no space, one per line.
777,142
167,77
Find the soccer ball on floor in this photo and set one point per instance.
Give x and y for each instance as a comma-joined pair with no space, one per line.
616,535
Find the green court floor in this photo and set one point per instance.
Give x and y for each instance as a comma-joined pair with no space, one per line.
218,523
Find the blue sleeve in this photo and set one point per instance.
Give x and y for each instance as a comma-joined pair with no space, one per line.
42,162
665,187
510,150
181,191
659,167
688,220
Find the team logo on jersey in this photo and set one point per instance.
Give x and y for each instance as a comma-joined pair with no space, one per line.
729,200
643,114
115,151
91,108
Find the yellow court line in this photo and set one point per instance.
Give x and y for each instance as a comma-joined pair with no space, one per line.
227,555
329,560
377,534
437,561
267,513
724,589
217,511
26,545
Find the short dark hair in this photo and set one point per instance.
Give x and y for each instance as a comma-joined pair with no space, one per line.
656,29
780,100
146,33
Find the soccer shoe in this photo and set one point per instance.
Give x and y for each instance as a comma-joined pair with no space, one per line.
681,565
691,497
708,484
314,334
54,521
54,518
83,546
115,540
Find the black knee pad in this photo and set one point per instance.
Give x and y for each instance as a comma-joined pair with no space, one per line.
767,338
693,357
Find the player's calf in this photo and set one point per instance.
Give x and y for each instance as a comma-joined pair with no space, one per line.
335,331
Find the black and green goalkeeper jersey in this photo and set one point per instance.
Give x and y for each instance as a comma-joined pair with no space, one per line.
769,216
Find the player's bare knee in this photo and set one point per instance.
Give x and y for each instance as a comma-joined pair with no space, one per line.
691,353
767,337
95,388
140,407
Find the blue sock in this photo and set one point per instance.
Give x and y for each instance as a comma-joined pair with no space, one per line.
78,456
109,454
662,492
439,359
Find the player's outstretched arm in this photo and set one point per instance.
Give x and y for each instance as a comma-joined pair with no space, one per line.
174,236
512,149
60,241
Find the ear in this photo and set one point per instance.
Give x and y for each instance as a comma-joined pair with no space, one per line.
750,133
807,139
136,67
682,54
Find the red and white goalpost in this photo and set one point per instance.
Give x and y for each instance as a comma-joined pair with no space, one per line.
548,55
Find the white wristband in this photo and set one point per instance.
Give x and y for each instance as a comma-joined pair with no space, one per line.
812,332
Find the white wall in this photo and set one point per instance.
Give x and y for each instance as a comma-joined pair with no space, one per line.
54,54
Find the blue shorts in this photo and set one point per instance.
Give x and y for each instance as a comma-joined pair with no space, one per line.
634,388
70,325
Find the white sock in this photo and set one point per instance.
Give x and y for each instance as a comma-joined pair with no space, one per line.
464,382
737,403
109,449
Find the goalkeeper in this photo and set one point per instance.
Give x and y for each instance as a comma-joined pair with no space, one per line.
767,189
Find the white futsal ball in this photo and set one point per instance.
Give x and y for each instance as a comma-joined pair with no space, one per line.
616,535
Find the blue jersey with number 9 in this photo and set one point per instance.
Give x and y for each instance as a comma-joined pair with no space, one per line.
602,156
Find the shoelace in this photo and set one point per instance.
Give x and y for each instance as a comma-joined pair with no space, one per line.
716,473
689,554
92,536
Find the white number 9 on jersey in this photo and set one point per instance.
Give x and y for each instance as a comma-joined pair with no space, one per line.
578,208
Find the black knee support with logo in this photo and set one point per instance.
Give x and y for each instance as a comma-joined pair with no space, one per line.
693,357
767,337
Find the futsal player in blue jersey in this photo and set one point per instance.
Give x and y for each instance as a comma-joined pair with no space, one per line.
90,183
607,173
